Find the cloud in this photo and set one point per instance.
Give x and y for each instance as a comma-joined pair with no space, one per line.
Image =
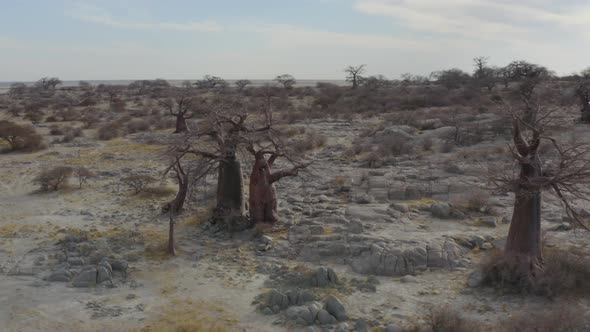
507,21
97,15
289,36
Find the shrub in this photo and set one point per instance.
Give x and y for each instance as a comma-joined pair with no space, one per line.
137,125
56,130
564,273
478,200
20,138
83,174
312,141
70,133
54,178
445,319
109,131
138,182
89,119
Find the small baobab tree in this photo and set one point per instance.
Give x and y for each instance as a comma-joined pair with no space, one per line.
263,194
354,75
563,172
182,107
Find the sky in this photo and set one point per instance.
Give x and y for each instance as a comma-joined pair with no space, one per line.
260,39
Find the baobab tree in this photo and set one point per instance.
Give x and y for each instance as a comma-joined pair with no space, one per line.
263,194
222,133
564,172
354,75
182,107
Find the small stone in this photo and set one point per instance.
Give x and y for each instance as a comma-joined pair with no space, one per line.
62,275
440,210
131,296
76,261
265,239
361,326
267,311
487,246
356,227
489,221
103,274
409,279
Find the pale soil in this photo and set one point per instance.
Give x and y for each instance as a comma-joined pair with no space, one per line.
212,281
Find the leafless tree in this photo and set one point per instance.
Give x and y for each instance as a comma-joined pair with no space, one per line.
583,93
241,84
263,194
564,172
354,75
286,80
182,107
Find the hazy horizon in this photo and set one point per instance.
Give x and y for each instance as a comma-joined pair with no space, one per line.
311,39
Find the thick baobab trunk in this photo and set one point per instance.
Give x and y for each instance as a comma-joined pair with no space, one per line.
524,236
263,195
523,245
181,126
231,207
171,246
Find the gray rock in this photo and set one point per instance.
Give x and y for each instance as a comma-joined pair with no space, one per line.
336,308
323,277
440,210
487,246
475,279
401,207
265,239
301,315
76,261
361,326
86,278
298,234
325,318
391,328
356,227
489,221
62,275
103,274
410,279
364,199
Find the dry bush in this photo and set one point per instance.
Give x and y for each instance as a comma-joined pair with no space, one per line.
53,178
563,317
20,138
118,106
564,273
138,182
137,125
311,141
56,130
445,319
83,174
89,119
70,133
34,116
109,131
51,118
69,114
478,200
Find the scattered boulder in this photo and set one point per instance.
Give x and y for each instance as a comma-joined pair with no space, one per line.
325,318
62,275
323,277
86,278
489,221
335,308
475,279
440,210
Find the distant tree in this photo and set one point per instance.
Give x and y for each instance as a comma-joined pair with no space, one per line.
480,63
210,82
354,75
111,90
375,82
241,84
451,78
53,178
182,107
186,84
286,80
17,90
45,83
85,86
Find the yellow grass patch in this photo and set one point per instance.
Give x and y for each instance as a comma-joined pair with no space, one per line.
187,315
